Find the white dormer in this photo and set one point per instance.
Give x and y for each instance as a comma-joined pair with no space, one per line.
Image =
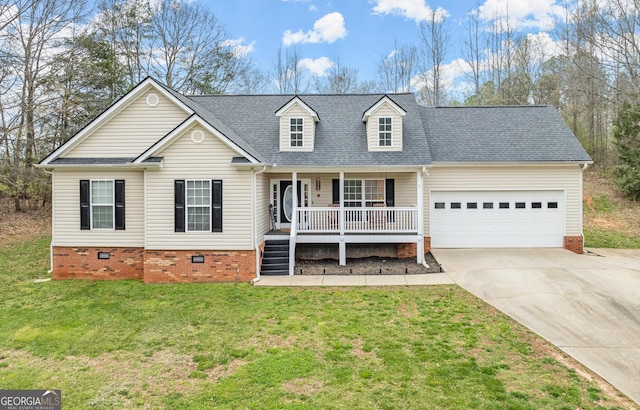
297,126
384,125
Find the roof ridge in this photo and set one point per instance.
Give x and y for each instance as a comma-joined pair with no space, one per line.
495,106
296,94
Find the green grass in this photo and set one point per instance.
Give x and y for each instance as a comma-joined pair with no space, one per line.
610,221
606,238
124,344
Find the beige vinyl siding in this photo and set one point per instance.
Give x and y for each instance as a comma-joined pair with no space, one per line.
308,129
210,159
66,210
396,129
406,190
262,205
131,131
487,178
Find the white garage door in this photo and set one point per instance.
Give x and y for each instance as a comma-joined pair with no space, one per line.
496,219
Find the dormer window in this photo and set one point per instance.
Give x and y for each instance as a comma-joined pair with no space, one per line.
384,131
297,126
296,132
384,125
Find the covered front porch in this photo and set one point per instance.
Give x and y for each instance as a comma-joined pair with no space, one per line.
357,208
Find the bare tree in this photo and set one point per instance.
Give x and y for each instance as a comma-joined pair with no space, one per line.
31,40
126,26
288,74
339,80
396,69
435,44
192,53
473,52
10,12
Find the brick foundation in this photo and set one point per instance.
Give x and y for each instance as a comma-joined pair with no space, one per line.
153,266
219,266
83,263
410,250
574,244
407,250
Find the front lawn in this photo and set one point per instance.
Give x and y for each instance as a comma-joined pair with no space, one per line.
123,344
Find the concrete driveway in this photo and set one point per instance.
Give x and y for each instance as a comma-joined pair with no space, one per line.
587,305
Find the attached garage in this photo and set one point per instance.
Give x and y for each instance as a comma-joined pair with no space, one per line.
497,219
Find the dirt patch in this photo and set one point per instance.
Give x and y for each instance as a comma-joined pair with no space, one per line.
303,387
605,208
368,266
21,225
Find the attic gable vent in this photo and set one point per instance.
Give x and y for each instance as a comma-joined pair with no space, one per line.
153,100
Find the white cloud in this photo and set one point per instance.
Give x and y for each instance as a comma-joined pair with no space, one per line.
416,10
318,67
239,48
536,14
325,30
449,73
313,8
545,47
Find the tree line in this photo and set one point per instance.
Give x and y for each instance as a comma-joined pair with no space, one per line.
64,62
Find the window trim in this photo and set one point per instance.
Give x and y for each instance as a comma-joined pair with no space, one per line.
112,205
180,207
298,142
385,137
363,199
187,206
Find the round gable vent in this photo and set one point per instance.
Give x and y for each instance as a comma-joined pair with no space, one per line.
153,100
197,136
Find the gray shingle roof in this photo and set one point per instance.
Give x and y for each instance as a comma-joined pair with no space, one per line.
340,138
102,161
500,134
444,134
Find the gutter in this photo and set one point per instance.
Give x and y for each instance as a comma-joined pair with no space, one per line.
255,225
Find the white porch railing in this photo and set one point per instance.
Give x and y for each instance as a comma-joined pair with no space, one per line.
358,220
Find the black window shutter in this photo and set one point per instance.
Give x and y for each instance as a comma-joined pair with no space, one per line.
85,220
389,188
336,191
216,206
119,204
179,200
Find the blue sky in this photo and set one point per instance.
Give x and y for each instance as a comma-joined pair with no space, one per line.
359,32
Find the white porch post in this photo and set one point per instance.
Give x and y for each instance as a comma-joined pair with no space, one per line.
294,222
342,245
420,204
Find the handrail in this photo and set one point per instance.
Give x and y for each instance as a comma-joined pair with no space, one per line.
357,220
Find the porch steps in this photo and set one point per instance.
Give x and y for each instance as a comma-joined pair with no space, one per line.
275,260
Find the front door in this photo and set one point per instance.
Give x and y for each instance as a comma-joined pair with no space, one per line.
282,200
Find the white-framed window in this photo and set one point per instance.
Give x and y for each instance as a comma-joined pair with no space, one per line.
198,198
374,192
363,192
296,131
384,131
102,204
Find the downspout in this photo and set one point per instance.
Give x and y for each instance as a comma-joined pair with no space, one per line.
53,210
254,222
425,171
584,168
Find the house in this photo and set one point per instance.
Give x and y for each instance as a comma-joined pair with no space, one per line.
171,188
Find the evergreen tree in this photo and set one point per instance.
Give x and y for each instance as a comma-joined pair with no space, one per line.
627,140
